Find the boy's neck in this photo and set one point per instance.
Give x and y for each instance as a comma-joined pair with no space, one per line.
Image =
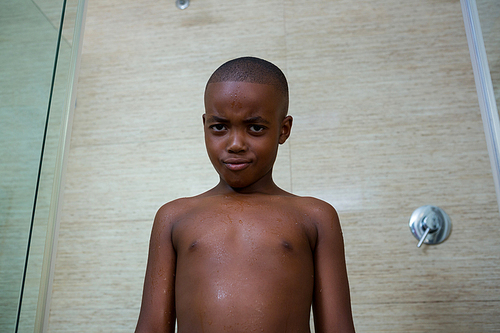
267,186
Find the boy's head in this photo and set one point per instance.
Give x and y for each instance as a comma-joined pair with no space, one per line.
253,70
245,120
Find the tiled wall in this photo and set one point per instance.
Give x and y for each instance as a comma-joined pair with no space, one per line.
386,119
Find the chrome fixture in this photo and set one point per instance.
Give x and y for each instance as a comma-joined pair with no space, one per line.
430,225
182,4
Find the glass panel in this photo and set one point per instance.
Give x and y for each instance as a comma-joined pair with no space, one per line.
489,15
37,284
28,45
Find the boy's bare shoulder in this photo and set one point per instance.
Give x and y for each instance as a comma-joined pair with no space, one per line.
319,211
176,209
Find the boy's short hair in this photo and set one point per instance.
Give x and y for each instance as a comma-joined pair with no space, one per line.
253,70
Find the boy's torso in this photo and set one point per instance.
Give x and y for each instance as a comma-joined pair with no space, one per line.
244,263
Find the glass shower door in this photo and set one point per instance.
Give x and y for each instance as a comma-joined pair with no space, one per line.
29,34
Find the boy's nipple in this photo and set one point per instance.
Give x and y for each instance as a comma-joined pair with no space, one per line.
287,245
193,245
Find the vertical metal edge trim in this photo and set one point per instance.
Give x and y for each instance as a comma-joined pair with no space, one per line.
484,87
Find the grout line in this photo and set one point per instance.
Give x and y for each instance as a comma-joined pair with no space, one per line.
288,71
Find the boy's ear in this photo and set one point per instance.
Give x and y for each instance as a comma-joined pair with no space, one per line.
286,128
203,117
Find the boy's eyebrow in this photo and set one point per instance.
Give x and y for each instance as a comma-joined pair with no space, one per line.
257,119
217,119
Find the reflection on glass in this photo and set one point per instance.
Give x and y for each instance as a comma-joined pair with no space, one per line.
489,17
27,52
30,136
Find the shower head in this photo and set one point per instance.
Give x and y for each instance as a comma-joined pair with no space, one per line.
182,4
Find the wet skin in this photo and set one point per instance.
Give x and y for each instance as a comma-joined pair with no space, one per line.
245,256
247,267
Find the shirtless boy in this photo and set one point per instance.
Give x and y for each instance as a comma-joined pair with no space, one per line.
246,256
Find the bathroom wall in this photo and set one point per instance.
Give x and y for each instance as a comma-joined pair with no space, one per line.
386,120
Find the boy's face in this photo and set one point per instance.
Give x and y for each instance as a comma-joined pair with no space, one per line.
244,123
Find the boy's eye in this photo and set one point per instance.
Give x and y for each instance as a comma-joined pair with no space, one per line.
218,127
257,128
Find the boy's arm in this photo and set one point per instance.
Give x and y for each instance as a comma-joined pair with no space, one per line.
331,299
158,301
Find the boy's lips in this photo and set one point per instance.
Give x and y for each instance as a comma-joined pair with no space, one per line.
236,164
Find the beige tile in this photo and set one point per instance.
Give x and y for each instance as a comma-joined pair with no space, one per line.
420,317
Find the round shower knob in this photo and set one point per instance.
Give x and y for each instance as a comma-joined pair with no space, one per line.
430,225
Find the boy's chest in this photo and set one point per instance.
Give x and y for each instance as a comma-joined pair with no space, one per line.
236,228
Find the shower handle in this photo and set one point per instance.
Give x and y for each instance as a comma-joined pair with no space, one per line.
423,237
430,225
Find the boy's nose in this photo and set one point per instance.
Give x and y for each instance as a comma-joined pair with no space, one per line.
236,143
